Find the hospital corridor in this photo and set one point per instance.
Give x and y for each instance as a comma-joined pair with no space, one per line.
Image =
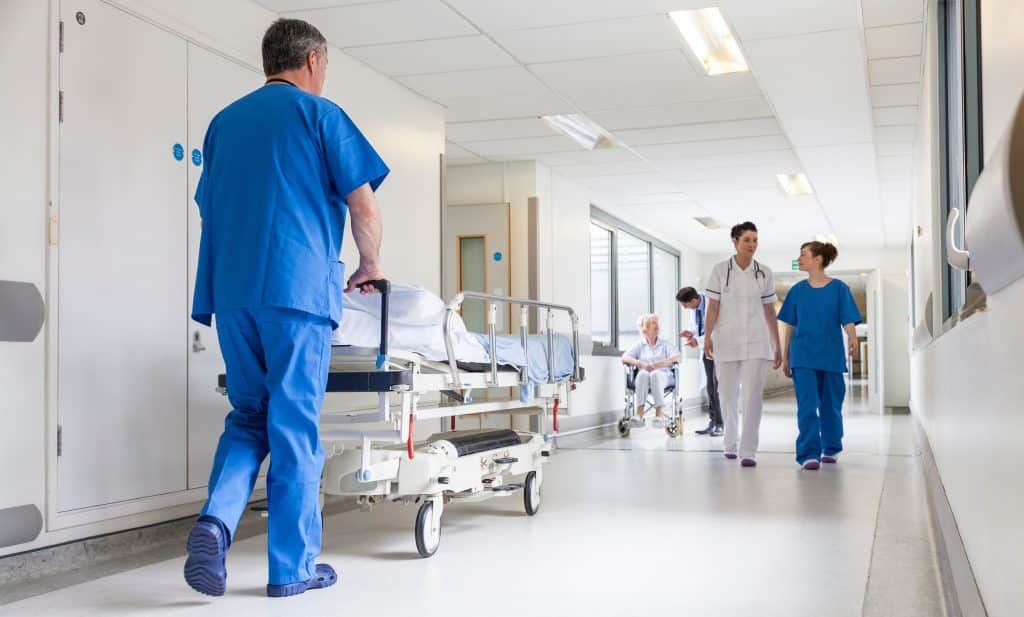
531,308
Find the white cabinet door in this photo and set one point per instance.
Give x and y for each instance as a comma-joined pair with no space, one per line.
213,83
121,270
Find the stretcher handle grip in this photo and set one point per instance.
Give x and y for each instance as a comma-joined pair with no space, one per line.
384,287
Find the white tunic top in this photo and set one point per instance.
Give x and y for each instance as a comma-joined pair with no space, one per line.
741,332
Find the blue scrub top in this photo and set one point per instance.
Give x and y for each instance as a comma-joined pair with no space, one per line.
278,166
818,316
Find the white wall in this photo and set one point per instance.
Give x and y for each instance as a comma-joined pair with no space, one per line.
966,386
406,129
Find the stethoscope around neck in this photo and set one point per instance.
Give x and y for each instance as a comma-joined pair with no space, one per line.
757,271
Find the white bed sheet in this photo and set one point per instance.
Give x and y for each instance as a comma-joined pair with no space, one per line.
416,323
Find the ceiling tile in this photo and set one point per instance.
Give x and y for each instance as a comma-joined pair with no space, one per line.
894,148
886,134
895,96
891,12
492,83
529,145
585,157
896,163
283,6
782,161
895,71
387,22
497,129
592,39
436,56
700,132
479,108
777,18
724,146
668,65
894,41
593,170
502,15
818,86
683,113
889,116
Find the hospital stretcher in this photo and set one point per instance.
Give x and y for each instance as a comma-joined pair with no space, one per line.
372,455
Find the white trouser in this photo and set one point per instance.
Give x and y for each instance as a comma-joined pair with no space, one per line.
751,375
653,383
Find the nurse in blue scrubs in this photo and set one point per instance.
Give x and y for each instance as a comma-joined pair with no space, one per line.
283,169
818,310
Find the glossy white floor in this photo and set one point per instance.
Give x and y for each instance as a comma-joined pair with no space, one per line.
637,526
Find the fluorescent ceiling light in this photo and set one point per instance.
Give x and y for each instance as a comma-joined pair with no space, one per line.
708,222
711,40
582,130
795,184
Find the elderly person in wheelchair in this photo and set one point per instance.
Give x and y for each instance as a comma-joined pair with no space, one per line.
650,374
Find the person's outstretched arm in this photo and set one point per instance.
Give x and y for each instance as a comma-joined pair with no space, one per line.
368,233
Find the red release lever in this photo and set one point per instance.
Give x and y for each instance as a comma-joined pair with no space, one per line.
409,443
555,422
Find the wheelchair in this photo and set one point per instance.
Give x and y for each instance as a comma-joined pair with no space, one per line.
674,407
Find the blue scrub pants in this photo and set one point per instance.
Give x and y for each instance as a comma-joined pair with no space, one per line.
819,403
277,361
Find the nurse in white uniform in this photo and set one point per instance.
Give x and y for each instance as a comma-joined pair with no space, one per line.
742,337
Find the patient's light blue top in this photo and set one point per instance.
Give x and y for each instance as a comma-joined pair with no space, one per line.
645,352
818,317
278,166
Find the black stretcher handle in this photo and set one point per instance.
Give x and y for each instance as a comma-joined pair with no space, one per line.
384,287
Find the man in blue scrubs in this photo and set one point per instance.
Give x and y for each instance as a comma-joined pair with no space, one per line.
283,168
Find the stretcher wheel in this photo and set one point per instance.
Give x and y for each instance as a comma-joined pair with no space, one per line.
531,493
427,536
623,427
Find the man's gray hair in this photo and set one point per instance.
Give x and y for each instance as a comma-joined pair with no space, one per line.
287,43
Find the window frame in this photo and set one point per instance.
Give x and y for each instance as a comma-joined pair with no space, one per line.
617,227
959,39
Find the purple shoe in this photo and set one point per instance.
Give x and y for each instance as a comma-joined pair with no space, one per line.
812,464
831,459
748,462
731,456
324,577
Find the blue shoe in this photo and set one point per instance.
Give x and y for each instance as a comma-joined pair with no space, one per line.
325,577
207,548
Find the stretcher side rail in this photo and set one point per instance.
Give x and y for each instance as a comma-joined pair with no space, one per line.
524,305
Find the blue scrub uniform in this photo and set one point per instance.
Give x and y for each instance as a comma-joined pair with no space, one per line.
278,166
817,358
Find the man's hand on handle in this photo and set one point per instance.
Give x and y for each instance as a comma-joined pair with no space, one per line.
362,276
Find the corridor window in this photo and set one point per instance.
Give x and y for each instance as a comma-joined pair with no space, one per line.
601,285
634,275
961,151
631,273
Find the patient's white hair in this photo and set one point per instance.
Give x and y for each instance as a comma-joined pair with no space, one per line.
641,321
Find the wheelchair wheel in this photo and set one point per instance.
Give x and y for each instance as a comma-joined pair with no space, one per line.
623,427
675,429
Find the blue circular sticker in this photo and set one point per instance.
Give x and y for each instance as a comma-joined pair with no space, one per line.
497,256
179,152
197,157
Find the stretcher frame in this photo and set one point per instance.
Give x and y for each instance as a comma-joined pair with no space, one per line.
372,455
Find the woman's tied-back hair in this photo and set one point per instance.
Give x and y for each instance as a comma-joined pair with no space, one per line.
641,321
826,250
737,230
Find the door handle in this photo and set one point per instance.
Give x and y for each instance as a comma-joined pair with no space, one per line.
197,342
